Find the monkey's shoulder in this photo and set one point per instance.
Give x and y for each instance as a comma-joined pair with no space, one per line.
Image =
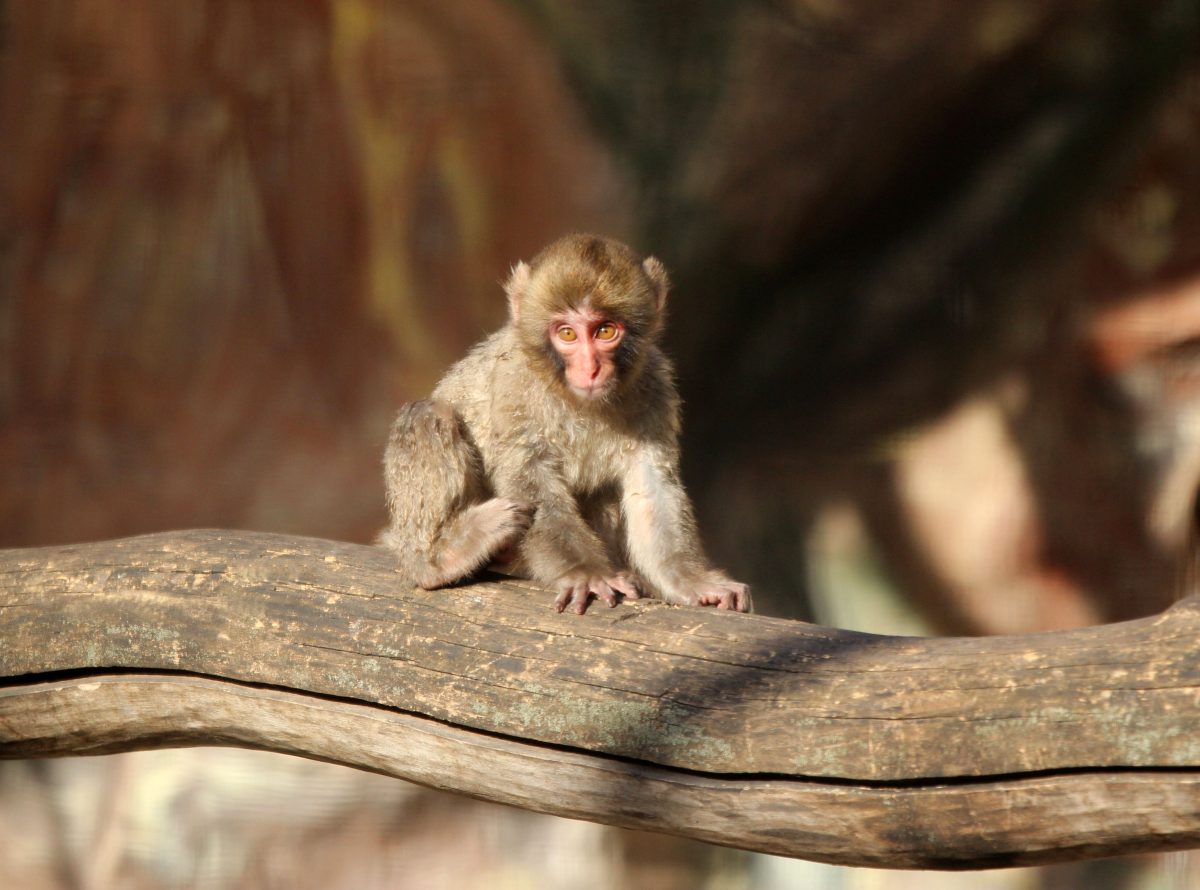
476,362
470,379
494,392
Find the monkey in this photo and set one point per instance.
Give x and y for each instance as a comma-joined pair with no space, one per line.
551,450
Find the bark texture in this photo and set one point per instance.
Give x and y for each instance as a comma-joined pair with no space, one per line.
753,732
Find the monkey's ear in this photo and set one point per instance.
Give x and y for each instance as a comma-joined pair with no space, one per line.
657,274
518,281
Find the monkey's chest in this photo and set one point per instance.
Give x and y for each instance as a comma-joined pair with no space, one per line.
591,459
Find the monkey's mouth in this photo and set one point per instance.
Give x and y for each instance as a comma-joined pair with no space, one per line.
594,393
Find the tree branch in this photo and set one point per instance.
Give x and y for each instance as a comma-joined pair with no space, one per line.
740,730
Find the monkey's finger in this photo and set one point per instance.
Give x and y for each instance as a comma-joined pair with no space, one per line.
735,599
604,593
627,585
563,599
738,596
719,597
575,598
581,598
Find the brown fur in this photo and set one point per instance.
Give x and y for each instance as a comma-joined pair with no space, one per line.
506,461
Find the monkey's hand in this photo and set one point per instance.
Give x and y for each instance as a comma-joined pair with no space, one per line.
714,589
576,589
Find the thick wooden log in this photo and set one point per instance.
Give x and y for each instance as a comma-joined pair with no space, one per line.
747,731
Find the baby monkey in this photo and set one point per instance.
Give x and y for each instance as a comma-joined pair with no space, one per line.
551,451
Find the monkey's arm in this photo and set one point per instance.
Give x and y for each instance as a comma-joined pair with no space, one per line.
663,540
560,549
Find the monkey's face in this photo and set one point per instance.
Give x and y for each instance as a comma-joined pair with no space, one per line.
586,345
585,312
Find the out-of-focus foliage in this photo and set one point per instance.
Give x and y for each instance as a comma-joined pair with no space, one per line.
937,273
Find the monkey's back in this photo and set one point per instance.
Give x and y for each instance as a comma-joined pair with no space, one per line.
505,406
469,385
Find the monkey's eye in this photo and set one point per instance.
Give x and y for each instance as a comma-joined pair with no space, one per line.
567,334
606,331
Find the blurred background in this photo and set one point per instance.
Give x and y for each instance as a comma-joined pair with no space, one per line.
936,321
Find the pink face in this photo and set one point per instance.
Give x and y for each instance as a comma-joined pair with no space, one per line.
587,340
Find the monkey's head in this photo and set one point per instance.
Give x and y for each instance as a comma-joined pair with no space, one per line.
586,309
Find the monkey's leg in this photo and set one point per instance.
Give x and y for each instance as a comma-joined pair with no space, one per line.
440,531
472,538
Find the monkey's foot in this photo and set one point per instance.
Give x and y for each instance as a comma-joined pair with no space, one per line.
577,589
476,536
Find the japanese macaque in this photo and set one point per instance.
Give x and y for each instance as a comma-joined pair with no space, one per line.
551,450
